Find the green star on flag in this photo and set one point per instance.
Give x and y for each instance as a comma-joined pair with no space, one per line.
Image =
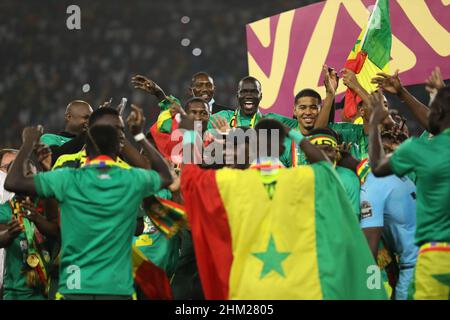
271,259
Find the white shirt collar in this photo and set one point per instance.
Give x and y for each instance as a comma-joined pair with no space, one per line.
210,103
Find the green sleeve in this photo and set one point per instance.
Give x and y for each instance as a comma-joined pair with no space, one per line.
403,159
147,182
48,139
5,213
52,183
290,122
286,156
165,104
164,193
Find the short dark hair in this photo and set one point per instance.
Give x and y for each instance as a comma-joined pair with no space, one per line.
328,131
249,78
201,73
195,99
102,139
307,93
100,112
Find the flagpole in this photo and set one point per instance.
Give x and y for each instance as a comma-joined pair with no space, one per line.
368,23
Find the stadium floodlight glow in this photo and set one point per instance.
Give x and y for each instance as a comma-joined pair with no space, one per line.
86,88
196,52
185,42
185,19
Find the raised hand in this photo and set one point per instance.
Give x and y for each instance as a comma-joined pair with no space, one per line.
44,155
349,79
32,133
29,210
136,120
175,107
331,79
378,111
147,85
434,81
13,229
220,124
391,84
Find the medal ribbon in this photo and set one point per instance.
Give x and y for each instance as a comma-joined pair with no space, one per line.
31,234
236,119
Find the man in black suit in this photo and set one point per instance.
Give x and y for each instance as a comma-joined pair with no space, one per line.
202,86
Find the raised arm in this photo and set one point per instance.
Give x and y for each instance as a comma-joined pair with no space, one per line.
16,180
135,123
378,161
331,82
312,153
392,84
149,86
352,82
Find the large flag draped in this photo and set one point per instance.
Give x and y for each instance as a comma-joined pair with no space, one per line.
370,55
303,243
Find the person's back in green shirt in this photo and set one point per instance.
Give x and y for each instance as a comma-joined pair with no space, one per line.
430,161
98,219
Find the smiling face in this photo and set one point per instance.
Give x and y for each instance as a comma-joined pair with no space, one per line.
198,111
77,116
202,86
249,96
306,111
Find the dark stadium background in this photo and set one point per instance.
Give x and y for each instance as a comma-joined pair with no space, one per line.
44,65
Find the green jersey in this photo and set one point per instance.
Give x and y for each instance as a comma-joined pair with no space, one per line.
354,134
15,279
289,122
236,119
429,160
51,139
351,185
98,219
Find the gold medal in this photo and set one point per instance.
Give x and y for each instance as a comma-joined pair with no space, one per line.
33,260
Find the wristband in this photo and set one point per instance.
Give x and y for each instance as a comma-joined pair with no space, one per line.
139,137
296,136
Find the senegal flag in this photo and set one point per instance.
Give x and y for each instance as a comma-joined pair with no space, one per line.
370,55
304,242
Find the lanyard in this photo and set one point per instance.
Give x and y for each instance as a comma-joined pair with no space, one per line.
236,119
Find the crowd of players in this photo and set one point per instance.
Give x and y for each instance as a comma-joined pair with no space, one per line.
53,219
